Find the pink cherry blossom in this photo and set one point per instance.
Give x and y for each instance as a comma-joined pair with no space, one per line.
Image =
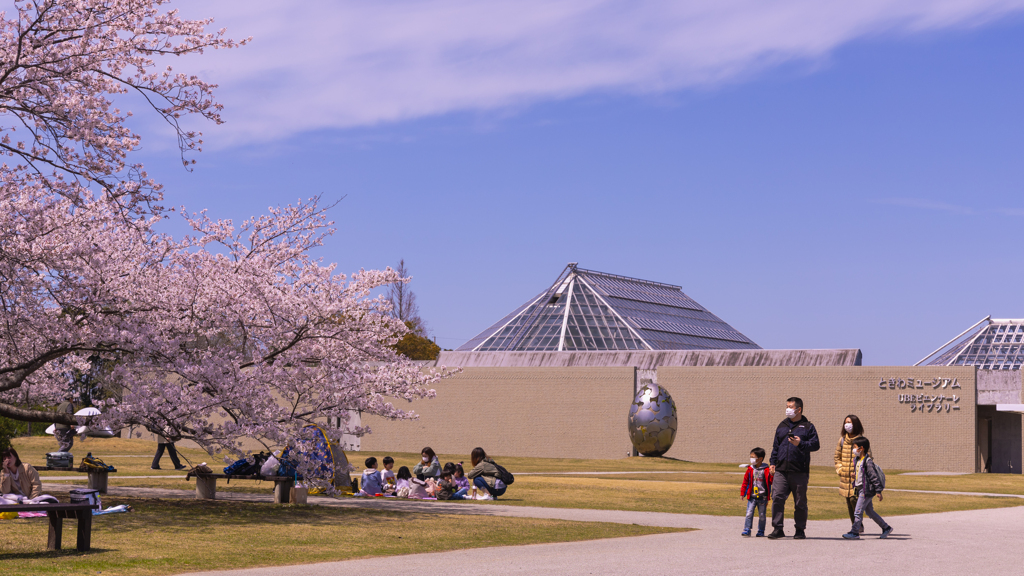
231,332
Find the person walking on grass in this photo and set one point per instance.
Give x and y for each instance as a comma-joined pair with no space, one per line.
795,439
64,433
868,484
852,429
165,444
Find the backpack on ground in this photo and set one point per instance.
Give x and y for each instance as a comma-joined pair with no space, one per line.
504,475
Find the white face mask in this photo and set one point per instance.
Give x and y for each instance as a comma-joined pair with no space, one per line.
849,427
856,453
753,461
425,459
790,412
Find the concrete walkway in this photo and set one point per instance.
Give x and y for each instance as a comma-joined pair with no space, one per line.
953,543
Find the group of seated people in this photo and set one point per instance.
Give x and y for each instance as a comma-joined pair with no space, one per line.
428,479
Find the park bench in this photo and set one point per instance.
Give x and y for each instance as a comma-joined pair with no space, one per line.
206,484
56,513
97,478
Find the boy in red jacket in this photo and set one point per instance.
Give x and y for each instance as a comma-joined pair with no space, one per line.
756,489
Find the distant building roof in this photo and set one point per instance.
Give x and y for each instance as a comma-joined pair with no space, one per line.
651,359
586,310
990,345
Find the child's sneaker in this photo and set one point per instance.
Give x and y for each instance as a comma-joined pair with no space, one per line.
760,533
851,535
745,533
886,532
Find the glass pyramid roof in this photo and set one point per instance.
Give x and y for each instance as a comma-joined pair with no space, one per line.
989,345
588,310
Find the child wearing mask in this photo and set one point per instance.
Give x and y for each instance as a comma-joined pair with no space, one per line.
756,488
868,484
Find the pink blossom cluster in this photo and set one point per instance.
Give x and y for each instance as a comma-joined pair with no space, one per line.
231,332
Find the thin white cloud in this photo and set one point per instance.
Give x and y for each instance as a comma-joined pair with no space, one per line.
925,204
938,205
337,64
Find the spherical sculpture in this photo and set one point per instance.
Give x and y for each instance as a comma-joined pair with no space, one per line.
652,420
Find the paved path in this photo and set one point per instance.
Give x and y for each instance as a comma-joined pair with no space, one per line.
953,543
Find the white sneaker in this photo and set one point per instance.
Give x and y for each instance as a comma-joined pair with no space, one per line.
485,497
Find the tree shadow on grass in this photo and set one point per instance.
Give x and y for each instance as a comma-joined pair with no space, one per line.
188,515
54,554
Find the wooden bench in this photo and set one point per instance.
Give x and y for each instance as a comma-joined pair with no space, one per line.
97,478
56,514
206,484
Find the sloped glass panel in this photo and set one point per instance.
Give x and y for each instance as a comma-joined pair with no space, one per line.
988,348
609,312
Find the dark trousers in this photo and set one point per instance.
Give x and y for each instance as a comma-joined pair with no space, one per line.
784,484
482,484
851,505
65,439
170,452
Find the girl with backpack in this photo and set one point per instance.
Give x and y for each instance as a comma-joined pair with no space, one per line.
869,482
488,475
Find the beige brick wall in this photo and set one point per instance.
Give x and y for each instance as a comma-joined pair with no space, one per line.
543,412
726,411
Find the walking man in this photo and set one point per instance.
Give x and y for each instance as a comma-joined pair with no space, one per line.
795,439
162,444
64,433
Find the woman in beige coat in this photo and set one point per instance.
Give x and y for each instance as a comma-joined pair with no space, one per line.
18,478
845,462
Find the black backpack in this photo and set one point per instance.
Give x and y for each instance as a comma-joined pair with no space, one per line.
504,475
244,468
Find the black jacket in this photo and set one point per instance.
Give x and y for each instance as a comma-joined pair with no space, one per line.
789,458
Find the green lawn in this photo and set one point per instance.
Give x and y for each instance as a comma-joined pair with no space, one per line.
675,486
173,536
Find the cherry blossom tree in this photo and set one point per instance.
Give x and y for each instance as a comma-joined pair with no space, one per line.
231,332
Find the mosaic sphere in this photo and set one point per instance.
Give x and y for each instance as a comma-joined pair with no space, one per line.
652,420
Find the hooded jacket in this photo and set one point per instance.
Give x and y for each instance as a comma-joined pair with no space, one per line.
371,483
747,489
789,458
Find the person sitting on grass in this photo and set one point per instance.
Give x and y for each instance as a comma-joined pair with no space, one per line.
387,477
445,489
370,483
485,474
429,466
402,478
868,483
19,478
459,477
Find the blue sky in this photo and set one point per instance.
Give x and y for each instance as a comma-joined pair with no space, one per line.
855,188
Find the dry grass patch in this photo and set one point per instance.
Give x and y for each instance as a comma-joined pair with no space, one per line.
713,498
169,536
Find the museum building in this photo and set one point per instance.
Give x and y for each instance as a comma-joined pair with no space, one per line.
556,378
